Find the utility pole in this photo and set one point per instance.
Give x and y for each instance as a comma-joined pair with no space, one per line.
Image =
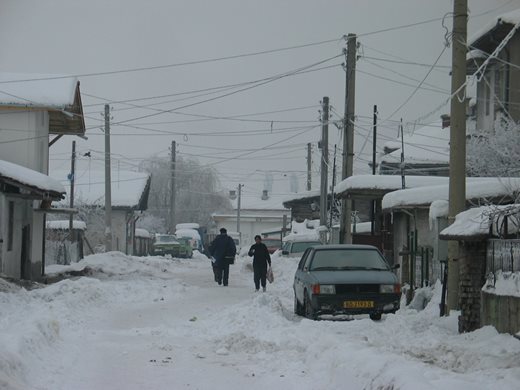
403,180
348,139
309,166
172,189
374,152
332,193
457,192
71,200
108,184
238,208
324,160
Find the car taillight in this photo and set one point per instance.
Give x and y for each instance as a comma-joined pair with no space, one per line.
315,288
397,288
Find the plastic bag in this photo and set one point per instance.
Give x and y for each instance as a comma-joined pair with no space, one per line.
269,275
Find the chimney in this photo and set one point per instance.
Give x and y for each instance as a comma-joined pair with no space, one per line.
265,195
232,194
445,120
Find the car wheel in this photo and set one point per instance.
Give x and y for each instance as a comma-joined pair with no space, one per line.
297,307
309,310
375,316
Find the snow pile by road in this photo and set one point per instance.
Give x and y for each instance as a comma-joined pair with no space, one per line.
161,323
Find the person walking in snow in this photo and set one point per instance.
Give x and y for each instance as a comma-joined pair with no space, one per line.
223,249
261,260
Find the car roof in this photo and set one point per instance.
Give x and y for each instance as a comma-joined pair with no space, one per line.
344,246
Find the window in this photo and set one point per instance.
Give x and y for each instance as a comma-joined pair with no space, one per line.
10,234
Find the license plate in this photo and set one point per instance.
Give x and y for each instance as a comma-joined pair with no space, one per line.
358,304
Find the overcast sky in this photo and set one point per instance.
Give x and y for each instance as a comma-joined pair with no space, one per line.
97,36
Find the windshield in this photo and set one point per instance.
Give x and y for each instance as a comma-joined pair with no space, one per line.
348,259
302,246
272,242
166,239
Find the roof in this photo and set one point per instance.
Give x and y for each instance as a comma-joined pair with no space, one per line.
64,225
129,189
38,185
345,246
476,188
374,186
59,95
142,233
488,38
255,202
301,197
480,222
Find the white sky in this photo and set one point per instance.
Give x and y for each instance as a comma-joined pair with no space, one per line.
156,323
77,37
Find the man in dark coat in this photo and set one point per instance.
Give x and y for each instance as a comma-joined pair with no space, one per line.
261,259
223,250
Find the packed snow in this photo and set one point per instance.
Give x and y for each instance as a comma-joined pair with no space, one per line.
162,323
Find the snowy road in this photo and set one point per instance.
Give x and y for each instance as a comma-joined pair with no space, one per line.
155,323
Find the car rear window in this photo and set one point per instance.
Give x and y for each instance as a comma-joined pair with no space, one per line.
302,246
348,259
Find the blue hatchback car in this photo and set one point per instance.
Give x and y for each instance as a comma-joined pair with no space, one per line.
345,279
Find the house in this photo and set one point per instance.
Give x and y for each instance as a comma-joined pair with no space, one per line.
25,197
129,192
259,212
63,246
419,214
426,151
32,108
498,82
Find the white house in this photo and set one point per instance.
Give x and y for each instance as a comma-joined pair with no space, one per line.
25,195
129,192
33,108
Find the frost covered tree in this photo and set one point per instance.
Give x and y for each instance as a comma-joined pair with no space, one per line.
196,186
496,154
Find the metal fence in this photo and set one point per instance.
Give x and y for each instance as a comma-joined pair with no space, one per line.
425,267
503,254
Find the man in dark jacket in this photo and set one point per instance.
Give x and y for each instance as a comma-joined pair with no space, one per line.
223,249
261,260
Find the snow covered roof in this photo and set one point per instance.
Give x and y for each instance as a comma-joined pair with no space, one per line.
477,222
427,145
142,233
385,183
301,196
255,202
476,188
512,17
187,225
18,175
64,225
60,95
129,189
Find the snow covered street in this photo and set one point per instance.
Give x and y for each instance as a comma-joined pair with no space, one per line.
160,323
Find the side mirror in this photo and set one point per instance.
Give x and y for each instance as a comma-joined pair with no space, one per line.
396,266
285,252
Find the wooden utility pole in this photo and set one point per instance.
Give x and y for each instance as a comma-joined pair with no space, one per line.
172,189
374,153
108,184
324,160
309,166
72,178
348,139
457,192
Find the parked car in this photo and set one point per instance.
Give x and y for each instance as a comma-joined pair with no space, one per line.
167,244
272,244
345,279
296,248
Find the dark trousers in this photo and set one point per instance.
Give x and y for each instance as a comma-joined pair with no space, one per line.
223,273
259,275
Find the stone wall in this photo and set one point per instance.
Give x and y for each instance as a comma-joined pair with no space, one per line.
472,268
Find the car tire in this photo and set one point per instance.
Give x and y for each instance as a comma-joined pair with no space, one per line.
375,316
309,310
297,307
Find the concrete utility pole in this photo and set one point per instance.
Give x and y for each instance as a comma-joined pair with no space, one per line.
238,208
324,160
403,178
457,193
348,139
374,153
72,177
172,189
108,184
309,166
